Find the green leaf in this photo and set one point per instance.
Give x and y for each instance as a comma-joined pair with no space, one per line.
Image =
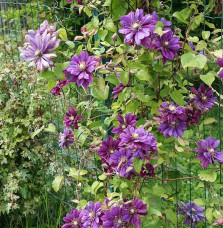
201,45
72,172
171,216
200,202
58,70
95,22
102,177
218,53
132,106
51,128
158,190
63,34
208,175
102,33
95,186
183,15
210,25
109,25
194,39
117,9
143,75
209,120
193,61
51,84
206,34
197,21
70,44
208,78
124,76
177,97
209,215
112,79
98,94
95,125
48,75
137,164
83,172
101,84
36,132
154,211
56,184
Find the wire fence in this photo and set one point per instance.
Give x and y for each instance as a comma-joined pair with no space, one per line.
17,17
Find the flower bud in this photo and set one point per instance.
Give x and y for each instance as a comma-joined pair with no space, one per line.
114,37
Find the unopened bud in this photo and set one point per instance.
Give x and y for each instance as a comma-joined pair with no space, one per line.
92,32
83,29
115,37
78,38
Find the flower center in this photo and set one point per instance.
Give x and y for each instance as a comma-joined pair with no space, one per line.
63,137
91,215
123,126
172,108
38,53
132,211
211,150
174,124
122,161
82,66
111,151
204,98
166,43
136,25
119,221
135,136
75,223
71,118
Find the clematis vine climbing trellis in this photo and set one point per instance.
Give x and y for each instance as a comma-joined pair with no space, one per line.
140,124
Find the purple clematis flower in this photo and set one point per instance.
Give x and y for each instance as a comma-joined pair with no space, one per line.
65,138
141,154
45,27
203,99
117,90
107,148
122,161
166,24
192,115
220,62
73,220
167,45
116,217
138,138
92,215
172,120
208,153
81,69
71,118
220,74
37,50
190,43
194,214
136,209
147,171
174,128
171,112
137,26
130,120
60,84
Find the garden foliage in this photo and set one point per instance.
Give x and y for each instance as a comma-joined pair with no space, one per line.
138,129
